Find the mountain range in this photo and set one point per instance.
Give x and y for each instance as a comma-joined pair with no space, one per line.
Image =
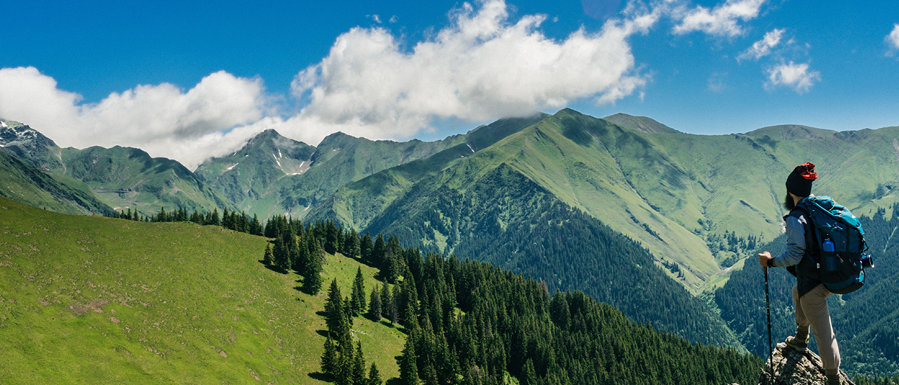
509,192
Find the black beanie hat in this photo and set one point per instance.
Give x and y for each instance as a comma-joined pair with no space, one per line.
800,180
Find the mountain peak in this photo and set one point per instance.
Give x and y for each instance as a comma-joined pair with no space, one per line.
18,134
640,123
791,132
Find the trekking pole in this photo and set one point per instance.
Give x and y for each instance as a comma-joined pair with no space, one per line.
768,310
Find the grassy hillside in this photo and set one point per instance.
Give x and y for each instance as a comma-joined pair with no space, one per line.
99,300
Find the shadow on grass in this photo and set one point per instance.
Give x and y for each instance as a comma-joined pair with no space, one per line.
273,268
323,333
321,377
393,381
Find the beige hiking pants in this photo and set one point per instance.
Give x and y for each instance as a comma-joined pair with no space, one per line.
811,310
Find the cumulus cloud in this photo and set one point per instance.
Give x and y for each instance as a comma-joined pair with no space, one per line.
893,39
480,67
795,76
161,119
762,47
720,21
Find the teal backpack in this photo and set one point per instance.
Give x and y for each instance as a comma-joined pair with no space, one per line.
839,247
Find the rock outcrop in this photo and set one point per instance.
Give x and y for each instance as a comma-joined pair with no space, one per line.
790,367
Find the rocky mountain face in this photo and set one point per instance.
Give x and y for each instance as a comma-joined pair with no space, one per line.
790,367
29,145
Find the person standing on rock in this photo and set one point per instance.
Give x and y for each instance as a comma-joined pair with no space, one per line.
809,294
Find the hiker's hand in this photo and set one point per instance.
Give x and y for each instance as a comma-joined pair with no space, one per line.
763,259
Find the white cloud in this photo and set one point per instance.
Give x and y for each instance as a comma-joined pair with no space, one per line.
720,21
795,76
893,39
480,67
160,119
763,47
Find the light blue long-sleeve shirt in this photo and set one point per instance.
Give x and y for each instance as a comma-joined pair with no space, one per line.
795,230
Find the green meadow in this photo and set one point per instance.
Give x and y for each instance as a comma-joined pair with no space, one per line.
98,300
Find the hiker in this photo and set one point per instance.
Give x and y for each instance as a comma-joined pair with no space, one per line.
809,294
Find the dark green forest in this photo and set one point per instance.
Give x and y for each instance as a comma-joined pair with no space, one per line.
469,322
511,222
866,321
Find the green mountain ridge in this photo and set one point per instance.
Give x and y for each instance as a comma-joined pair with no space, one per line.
276,175
25,183
678,194
120,177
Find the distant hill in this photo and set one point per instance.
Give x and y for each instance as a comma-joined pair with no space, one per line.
791,132
640,123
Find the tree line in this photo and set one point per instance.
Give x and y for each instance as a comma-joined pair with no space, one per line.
468,322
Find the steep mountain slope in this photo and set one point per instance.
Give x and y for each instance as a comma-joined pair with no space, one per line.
97,300
509,221
128,177
250,177
357,204
277,175
29,145
120,177
25,183
680,195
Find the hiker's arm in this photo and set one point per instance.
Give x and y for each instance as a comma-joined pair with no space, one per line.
795,243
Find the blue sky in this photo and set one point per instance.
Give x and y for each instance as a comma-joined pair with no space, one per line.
190,80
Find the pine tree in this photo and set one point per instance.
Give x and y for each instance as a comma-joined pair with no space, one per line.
334,310
374,306
358,365
312,283
329,358
279,255
409,362
365,249
393,307
331,237
374,378
378,252
226,220
529,377
214,218
267,258
357,298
